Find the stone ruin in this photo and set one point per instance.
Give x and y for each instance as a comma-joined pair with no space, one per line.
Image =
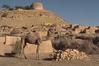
82,29
37,6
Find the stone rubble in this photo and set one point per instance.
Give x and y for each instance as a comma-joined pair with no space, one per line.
69,54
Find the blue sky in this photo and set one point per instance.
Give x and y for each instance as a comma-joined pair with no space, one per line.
76,11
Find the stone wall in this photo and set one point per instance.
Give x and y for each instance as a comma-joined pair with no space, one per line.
2,40
12,40
45,48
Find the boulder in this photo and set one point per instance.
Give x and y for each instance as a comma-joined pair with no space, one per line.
12,40
5,49
45,49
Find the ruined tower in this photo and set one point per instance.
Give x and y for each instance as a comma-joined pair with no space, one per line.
37,6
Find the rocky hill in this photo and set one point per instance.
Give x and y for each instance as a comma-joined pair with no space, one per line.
37,16
20,17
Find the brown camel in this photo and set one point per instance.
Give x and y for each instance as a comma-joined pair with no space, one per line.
27,36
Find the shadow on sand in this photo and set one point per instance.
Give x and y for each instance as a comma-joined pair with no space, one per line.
8,55
48,59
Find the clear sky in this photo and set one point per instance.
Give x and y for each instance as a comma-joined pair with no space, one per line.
76,11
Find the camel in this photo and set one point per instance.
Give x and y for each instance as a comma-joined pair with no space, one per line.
27,36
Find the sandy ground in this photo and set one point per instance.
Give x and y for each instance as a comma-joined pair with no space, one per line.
10,61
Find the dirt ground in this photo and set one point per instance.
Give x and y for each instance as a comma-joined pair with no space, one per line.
10,61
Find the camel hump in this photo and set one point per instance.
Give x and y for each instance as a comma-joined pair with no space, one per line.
32,38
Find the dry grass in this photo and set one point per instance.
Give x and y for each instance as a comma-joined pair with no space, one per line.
16,47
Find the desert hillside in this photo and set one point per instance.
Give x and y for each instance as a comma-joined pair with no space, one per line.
39,33
20,17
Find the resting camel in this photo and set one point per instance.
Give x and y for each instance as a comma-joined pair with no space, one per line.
27,36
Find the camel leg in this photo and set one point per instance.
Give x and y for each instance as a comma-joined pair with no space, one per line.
22,48
37,52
